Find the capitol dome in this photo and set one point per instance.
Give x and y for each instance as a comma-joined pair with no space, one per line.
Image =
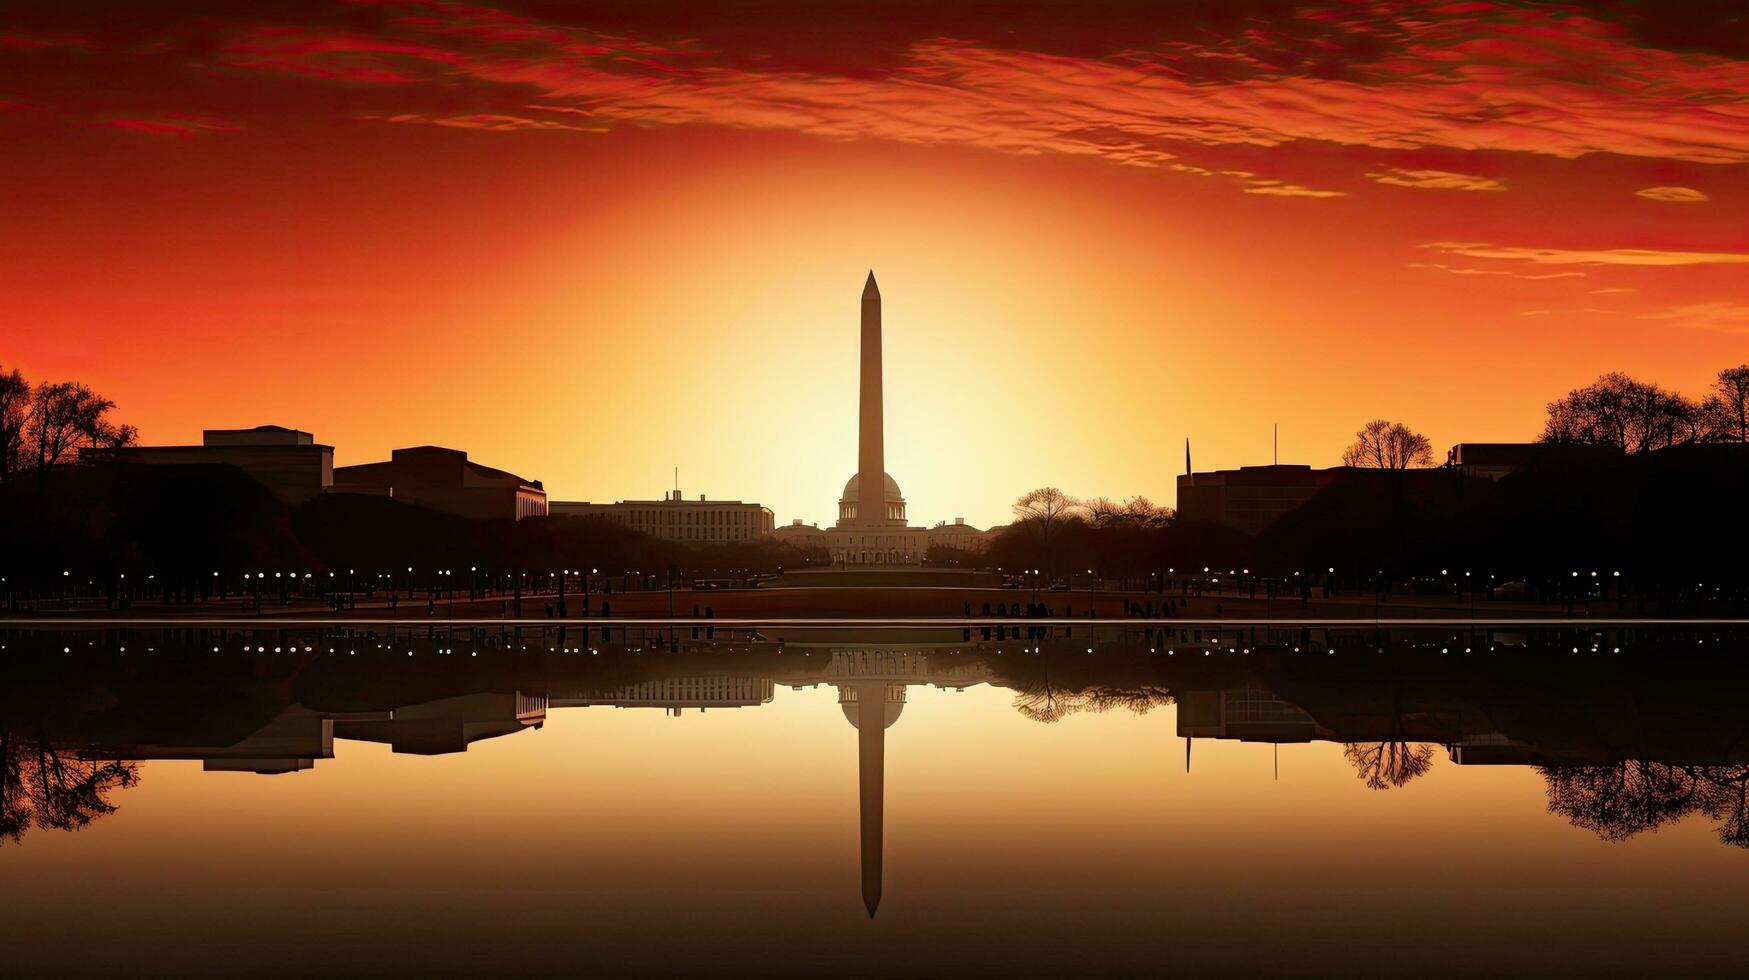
895,501
892,696
855,484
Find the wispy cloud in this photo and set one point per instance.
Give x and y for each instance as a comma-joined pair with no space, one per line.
1468,271
1277,189
1722,316
489,122
1596,256
35,42
1675,195
1474,76
177,124
1438,180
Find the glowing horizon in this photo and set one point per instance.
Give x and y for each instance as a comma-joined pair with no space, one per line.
587,251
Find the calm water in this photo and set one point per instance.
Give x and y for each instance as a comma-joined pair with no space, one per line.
875,802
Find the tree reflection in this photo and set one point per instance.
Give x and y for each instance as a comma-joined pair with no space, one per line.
1622,799
1387,765
1045,702
1135,700
42,787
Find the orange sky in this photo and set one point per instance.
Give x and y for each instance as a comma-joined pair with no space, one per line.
588,250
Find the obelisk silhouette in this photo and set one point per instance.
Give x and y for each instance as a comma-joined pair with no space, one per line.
871,771
871,463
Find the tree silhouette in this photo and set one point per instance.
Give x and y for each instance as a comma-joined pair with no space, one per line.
1043,513
1388,765
1385,445
15,417
1131,514
66,415
41,787
1045,702
1726,410
1620,800
1136,700
1629,415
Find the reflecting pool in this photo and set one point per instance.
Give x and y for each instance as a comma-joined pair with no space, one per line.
189,798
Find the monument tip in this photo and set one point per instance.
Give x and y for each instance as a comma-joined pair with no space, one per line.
869,289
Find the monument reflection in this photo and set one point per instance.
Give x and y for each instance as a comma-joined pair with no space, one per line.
1630,730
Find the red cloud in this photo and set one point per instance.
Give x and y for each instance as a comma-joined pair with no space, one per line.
1543,80
179,124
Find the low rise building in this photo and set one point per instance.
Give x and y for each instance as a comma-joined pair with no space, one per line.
801,535
958,535
1491,460
1249,498
289,462
674,518
446,480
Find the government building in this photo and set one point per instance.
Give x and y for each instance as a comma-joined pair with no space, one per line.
673,518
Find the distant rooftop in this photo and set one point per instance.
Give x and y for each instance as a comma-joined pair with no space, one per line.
261,435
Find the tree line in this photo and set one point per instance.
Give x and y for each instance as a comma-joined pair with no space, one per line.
1615,412
1634,479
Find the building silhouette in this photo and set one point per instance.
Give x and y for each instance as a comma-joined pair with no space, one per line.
289,462
446,480
1249,498
674,518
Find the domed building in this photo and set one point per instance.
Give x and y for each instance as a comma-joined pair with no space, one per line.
895,501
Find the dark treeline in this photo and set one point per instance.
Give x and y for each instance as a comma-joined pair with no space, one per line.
1671,522
197,530
1636,490
1136,542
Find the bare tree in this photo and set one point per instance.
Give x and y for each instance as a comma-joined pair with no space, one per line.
1619,800
1136,700
67,415
1633,416
1726,410
1386,765
1134,512
1047,703
15,417
1044,511
1727,801
1386,445
41,786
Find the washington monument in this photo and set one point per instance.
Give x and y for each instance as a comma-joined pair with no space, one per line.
871,463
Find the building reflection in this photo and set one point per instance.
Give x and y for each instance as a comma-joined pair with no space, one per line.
1628,731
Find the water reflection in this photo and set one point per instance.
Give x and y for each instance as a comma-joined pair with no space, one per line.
1630,730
